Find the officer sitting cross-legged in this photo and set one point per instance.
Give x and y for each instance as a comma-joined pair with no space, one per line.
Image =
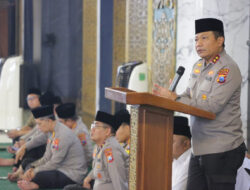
63,162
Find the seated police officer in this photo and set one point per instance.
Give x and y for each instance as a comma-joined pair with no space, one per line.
67,115
32,102
110,164
63,162
34,144
122,121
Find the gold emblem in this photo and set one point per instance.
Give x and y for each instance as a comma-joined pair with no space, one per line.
210,72
197,71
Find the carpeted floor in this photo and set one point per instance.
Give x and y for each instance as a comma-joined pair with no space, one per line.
6,184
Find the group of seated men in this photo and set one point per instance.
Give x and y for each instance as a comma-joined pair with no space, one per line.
56,150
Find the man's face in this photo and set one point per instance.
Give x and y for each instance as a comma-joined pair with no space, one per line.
123,133
207,46
99,131
43,125
33,101
180,145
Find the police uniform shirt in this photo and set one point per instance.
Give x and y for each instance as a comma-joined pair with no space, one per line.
215,87
37,139
110,166
30,134
63,153
180,171
82,133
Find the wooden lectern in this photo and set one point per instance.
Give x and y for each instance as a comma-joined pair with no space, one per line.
151,136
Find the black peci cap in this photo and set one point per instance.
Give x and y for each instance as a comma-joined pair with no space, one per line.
181,126
44,111
34,91
106,118
65,111
208,24
47,98
122,116
57,100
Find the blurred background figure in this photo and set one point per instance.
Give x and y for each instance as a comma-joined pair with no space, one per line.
122,121
181,153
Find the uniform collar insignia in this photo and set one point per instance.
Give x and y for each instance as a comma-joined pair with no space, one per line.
216,59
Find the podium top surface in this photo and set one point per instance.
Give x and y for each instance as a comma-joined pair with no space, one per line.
126,96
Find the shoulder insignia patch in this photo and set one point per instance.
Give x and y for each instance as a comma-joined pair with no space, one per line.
109,155
222,75
55,144
82,137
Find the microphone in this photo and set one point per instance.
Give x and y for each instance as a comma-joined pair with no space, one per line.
176,79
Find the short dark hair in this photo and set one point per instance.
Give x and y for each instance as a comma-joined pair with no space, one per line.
218,34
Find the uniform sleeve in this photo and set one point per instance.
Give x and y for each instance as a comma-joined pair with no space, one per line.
46,157
61,147
115,163
215,95
184,97
38,140
27,136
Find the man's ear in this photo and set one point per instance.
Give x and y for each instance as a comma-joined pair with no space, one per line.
220,40
108,131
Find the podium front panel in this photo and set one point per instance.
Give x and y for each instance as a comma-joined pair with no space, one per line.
151,148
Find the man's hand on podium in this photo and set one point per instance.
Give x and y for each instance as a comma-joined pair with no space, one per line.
160,91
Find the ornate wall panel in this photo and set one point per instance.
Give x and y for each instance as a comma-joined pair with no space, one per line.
89,60
133,151
163,49
136,47
119,37
119,34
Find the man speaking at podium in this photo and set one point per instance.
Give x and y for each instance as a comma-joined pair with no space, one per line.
218,147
